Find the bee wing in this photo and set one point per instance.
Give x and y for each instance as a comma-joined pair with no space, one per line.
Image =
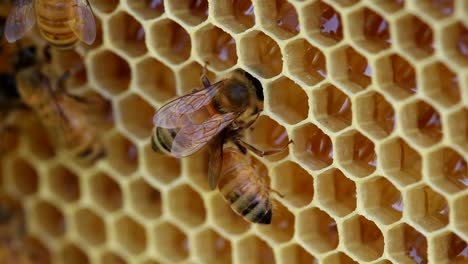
193,137
176,113
215,162
84,25
20,20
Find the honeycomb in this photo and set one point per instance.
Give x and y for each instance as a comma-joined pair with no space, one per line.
374,94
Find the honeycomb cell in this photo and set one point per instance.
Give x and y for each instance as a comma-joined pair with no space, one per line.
110,257
212,247
448,169
216,47
436,8
338,258
421,123
457,123
148,9
106,192
278,17
460,214
170,41
295,183
136,115
454,38
236,15
191,12
336,192
400,161
382,201
122,154
295,254
427,208
305,62
171,242
145,199
130,235
113,76
312,147
49,219
396,76
161,167
449,247
317,230
375,115
90,227
38,249
105,6
281,228
64,183
38,142
331,107
253,250
350,69
224,218
23,177
127,34
356,153
414,36
323,23
441,84
187,205
197,166
261,54
390,6
155,79
363,238
406,244
72,254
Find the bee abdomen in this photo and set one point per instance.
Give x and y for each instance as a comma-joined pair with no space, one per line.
161,140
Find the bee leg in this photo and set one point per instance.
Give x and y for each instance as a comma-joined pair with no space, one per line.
258,152
204,76
277,192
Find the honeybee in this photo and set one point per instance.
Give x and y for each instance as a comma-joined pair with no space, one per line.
61,22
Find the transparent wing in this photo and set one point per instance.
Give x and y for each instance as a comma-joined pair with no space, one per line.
176,113
20,20
215,162
83,24
191,138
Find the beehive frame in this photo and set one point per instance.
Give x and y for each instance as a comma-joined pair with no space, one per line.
377,109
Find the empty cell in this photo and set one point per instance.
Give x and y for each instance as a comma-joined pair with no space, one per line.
187,205
281,228
253,250
457,123
331,107
261,54
460,214
381,200
236,15
363,238
295,254
454,42
49,219
90,226
449,247
148,9
414,36
156,79
390,6
145,199
338,258
317,230
38,249
312,147
427,208
396,76
322,23
212,248
127,34
171,243
224,218
130,234
188,78
356,153
170,41
441,84
136,115
113,76
336,192
375,115
448,169
295,183
163,168
278,17
38,143
350,69
305,62
111,258
122,154
64,183
192,12
216,47
72,62
400,161
23,177
370,30
106,192
436,8
406,244
72,254
105,6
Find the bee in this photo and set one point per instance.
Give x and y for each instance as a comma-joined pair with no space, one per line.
61,22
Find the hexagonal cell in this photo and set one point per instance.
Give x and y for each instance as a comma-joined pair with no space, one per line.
375,115
162,167
317,230
136,115
170,41
106,192
187,205
236,15
253,250
441,84
287,100
406,244
307,63
336,192
192,12
113,76
436,8
130,235
448,170
122,154
90,226
212,247
382,201
421,123
427,208
331,107
216,47
196,167
105,6
64,184
146,199
323,23
171,242
224,217
49,219
338,258
295,183
454,38
295,254
110,257
127,34
156,79
457,123
278,17
396,76
23,177
36,248
188,78
460,214
449,247
350,69
261,54
281,228
414,36
363,238
38,143
312,147
147,9
356,153
72,254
